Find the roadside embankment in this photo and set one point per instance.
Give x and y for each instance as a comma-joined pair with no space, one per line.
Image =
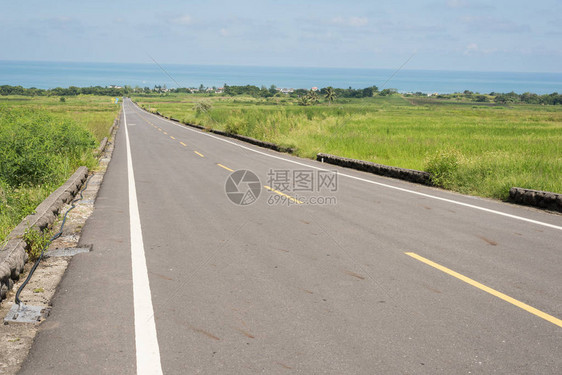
379,169
13,254
536,198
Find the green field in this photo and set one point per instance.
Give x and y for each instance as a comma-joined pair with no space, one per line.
479,149
42,142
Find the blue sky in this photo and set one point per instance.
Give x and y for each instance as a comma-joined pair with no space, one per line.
440,34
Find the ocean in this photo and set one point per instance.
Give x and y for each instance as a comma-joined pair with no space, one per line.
46,75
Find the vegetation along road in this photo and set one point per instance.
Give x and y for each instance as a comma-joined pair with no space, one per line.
473,144
42,142
214,256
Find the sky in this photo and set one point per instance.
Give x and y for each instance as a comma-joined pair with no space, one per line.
511,36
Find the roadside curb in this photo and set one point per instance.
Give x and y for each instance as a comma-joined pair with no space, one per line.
104,141
536,198
243,138
410,175
13,255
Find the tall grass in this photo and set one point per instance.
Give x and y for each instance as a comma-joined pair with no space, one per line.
42,142
480,150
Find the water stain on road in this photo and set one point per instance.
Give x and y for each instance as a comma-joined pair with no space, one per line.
208,334
489,241
284,366
351,273
431,289
162,276
247,334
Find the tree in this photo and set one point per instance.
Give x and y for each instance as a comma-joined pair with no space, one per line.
313,97
304,100
330,94
388,92
273,89
368,91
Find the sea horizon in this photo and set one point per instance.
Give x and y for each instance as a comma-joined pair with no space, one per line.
52,74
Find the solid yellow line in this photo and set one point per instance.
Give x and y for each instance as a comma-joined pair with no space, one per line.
493,292
283,194
183,144
200,154
172,137
225,167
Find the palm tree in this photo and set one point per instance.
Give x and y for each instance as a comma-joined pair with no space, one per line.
330,94
304,100
313,96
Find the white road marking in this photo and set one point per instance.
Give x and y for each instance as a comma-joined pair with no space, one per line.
370,181
146,340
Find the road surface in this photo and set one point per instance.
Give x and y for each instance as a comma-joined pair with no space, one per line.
367,275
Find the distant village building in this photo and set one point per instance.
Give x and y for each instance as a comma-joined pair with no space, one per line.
285,91
314,89
115,87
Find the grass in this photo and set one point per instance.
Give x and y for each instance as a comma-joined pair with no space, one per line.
93,113
470,148
42,141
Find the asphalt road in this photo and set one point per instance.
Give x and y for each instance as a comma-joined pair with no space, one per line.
368,275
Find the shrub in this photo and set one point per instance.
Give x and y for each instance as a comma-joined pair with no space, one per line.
36,241
37,148
443,166
202,107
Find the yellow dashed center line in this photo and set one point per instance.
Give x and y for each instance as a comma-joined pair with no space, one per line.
183,144
160,129
165,133
283,194
172,137
225,167
487,289
200,154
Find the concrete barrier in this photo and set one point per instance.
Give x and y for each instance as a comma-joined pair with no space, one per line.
536,198
380,169
13,254
103,144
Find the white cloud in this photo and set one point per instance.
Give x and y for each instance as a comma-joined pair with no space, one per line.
464,4
350,21
489,24
183,20
470,48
